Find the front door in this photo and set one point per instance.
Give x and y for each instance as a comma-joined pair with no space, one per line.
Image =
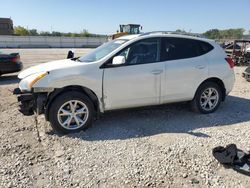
138,81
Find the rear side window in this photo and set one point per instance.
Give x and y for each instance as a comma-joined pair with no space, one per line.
204,47
180,48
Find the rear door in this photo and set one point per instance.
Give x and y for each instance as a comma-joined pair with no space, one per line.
185,68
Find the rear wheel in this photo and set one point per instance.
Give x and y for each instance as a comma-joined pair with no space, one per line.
71,112
207,98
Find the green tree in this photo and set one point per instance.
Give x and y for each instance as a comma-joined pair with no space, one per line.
21,31
45,33
224,34
56,33
212,34
67,34
85,33
180,31
33,32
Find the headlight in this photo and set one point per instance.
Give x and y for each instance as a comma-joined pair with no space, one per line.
38,77
27,83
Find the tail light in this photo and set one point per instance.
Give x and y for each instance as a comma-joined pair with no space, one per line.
15,59
230,62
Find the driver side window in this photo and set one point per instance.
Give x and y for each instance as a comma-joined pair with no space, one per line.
144,51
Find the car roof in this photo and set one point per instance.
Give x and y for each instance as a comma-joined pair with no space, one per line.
159,34
129,37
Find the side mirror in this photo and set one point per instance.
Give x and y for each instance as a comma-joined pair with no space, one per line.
118,60
70,54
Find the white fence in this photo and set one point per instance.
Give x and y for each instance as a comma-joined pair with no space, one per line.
8,41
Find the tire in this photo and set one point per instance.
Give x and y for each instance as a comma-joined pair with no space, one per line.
247,70
199,103
61,115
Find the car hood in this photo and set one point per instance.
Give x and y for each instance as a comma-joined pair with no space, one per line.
46,67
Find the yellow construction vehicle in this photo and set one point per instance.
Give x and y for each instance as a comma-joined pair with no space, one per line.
127,29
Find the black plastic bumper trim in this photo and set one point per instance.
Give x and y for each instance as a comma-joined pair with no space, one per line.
17,91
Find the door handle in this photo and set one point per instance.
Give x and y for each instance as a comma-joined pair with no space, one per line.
200,66
156,72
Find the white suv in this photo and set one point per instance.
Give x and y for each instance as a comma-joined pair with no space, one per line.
132,71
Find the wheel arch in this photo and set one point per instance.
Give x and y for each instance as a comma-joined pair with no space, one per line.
88,92
219,82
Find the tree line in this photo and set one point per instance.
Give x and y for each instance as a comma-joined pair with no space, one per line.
22,31
224,34
211,34
221,34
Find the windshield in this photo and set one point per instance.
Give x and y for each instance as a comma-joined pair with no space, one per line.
102,51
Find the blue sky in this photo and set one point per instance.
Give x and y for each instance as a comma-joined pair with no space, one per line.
104,16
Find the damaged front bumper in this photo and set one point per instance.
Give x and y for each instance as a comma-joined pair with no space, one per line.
29,102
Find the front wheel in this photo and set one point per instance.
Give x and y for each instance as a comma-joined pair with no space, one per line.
207,98
71,112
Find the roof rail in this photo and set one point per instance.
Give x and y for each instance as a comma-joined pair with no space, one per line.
174,32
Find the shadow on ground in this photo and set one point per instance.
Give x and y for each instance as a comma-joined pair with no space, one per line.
174,118
8,79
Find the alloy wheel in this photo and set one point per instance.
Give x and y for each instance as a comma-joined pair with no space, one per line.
209,99
73,114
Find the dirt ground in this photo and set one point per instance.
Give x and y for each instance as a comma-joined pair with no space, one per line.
165,146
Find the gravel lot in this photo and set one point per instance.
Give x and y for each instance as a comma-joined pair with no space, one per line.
165,146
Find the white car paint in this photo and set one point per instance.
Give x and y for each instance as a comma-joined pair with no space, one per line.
187,73
65,63
132,86
137,85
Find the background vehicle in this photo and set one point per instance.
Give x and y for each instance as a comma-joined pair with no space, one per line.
246,74
239,51
132,71
10,63
127,29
